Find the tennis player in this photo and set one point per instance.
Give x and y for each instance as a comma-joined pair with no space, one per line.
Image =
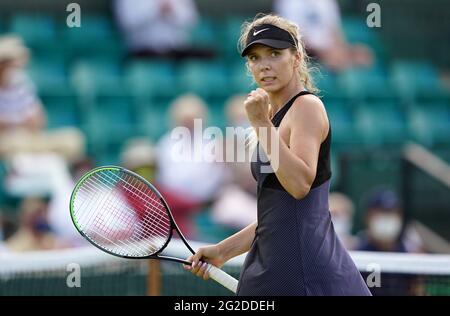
293,247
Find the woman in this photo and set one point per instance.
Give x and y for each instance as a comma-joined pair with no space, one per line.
293,248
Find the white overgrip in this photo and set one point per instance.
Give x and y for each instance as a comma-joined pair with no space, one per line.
223,278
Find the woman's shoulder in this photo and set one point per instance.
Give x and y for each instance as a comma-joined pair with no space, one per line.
309,98
308,105
308,111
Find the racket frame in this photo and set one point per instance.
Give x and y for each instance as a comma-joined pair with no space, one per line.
173,224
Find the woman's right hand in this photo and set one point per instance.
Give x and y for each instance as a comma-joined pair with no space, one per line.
203,256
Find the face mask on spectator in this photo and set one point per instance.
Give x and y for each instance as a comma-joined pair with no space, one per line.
385,227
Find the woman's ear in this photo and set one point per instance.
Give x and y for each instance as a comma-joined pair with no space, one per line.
297,59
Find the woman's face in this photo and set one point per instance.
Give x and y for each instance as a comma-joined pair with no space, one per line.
272,69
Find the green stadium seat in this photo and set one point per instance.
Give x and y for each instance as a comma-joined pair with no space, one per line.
112,119
154,79
328,84
36,29
342,123
429,123
417,81
335,170
204,33
62,110
356,30
153,120
49,75
204,78
241,81
92,76
230,35
362,83
95,37
381,123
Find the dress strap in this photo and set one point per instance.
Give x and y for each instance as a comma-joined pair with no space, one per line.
278,117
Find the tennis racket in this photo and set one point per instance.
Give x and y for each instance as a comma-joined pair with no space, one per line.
124,215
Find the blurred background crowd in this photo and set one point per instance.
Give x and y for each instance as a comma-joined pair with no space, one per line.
110,91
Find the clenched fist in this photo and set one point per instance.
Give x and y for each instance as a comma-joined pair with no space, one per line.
257,107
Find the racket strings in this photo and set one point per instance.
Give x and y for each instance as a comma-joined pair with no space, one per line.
137,235
144,197
125,208
104,206
99,224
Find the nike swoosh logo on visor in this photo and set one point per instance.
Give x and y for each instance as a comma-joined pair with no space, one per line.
257,32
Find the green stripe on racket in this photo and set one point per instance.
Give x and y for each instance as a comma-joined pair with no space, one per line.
124,215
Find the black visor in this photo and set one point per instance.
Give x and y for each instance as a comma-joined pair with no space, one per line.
269,35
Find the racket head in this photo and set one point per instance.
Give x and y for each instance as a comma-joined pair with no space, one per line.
121,213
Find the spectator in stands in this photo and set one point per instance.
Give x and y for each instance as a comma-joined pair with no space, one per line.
342,209
159,28
384,222
34,232
139,155
320,23
235,207
22,116
19,104
235,111
183,170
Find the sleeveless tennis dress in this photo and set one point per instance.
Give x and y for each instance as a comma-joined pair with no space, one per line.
295,250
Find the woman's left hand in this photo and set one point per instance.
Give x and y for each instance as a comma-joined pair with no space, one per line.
257,107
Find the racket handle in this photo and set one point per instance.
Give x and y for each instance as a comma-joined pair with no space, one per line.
223,278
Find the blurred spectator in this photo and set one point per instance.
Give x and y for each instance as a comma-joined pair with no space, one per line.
184,173
22,116
385,226
19,105
235,111
34,232
159,28
342,209
235,207
236,119
384,221
51,178
320,25
139,155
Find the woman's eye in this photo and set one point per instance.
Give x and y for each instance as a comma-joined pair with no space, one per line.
252,58
275,54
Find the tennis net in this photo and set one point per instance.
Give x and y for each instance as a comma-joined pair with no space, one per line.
89,271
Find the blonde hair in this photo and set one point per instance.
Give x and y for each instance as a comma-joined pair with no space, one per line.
305,69
187,106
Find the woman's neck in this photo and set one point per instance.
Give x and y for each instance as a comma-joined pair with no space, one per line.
280,98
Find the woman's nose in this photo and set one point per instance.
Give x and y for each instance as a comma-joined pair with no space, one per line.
264,66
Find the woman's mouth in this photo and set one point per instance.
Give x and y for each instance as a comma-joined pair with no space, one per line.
268,79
